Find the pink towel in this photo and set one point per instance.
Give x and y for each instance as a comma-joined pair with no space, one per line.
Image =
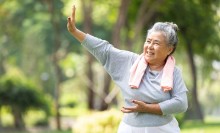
138,69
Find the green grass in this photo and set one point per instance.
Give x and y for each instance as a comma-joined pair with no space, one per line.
188,127
41,132
211,125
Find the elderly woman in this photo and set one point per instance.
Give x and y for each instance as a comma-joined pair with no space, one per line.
151,85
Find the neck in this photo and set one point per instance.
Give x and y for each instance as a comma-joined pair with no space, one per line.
156,67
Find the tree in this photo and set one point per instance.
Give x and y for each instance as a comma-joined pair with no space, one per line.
54,9
197,29
87,8
21,96
33,36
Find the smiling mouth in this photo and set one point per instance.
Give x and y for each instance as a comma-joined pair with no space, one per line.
150,53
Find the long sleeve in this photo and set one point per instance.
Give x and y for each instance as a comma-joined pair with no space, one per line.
114,60
178,102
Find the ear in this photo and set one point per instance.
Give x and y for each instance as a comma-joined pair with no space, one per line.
170,50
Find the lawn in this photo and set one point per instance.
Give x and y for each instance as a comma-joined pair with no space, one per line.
38,132
189,127
211,125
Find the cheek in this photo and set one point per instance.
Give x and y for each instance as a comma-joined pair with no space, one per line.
166,51
162,52
144,48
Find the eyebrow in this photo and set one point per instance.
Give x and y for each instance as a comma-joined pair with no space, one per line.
157,41
153,40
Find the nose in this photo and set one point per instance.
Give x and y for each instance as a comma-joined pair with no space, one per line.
147,46
150,45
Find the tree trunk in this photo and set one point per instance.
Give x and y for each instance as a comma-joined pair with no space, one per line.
147,11
107,82
87,26
194,111
2,72
18,120
55,20
0,118
90,94
2,68
123,12
58,74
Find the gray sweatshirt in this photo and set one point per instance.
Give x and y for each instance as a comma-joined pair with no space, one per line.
118,63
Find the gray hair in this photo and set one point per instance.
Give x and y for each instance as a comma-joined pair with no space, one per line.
169,30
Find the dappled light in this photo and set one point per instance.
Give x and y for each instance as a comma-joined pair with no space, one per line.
50,83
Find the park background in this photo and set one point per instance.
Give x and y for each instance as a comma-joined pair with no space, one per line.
50,84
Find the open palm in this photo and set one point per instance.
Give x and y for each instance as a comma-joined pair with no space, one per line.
71,21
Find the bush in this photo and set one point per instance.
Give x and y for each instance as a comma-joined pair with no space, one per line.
180,118
98,122
21,95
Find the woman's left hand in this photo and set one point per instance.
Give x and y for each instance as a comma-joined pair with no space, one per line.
139,106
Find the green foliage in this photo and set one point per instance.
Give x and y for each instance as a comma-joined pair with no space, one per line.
98,122
209,98
44,131
180,118
27,42
34,118
198,23
209,126
17,92
21,95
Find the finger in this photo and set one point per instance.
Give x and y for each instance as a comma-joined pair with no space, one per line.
137,102
133,108
73,12
69,19
68,22
166,90
125,110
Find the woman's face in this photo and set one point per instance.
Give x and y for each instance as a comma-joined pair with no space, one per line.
156,48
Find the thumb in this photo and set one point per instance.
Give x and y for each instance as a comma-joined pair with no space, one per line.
136,102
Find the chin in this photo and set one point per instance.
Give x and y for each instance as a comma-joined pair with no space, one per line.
147,59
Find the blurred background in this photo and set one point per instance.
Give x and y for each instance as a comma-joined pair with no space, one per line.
50,84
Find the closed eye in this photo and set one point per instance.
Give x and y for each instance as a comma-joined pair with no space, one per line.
148,42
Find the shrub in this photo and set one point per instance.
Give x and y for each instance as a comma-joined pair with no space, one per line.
180,118
21,95
98,122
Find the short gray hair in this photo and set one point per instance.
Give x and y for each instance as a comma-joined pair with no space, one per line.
169,30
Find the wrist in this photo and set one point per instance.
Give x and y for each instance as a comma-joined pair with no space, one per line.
74,31
153,109
79,35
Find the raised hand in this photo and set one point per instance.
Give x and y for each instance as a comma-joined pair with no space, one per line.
71,21
71,26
